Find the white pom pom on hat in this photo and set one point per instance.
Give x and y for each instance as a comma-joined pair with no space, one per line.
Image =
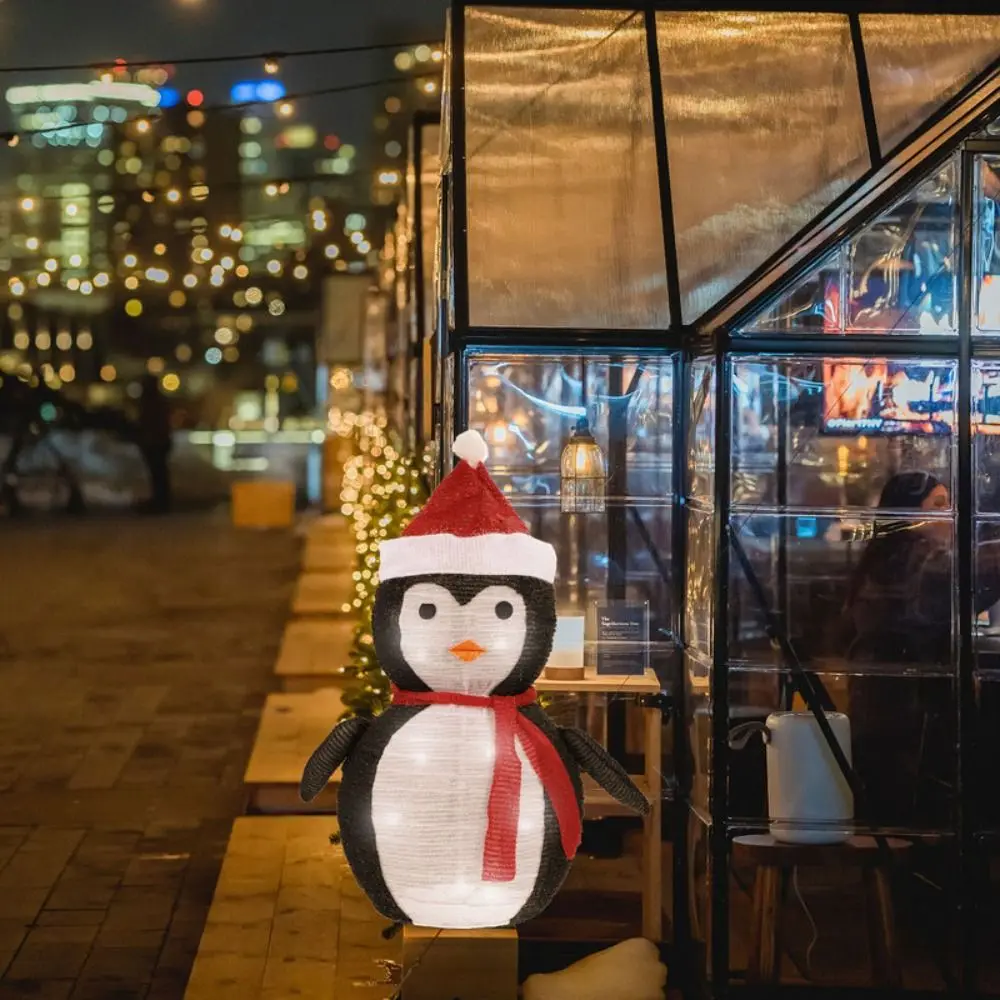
471,446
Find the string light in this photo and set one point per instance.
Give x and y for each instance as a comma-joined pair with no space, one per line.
271,66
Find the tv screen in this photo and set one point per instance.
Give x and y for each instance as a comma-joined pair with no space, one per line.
888,397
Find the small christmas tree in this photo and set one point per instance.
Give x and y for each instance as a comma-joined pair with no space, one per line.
382,491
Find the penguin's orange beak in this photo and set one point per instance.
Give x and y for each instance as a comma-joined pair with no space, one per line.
467,650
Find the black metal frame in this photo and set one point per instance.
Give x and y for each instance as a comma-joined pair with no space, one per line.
716,334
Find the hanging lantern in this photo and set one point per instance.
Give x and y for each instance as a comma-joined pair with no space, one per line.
583,473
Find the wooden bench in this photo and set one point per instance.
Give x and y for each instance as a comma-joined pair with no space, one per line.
287,919
337,555
291,727
314,652
324,594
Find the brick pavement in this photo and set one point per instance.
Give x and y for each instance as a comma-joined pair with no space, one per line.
134,659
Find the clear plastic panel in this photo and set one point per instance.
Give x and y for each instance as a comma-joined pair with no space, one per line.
527,407
854,595
986,435
901,733
699,603
986,246
902,267
916,62
701,434
559,130
830,433
764,129
812,306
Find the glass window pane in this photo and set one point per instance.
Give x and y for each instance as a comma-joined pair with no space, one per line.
986,246
917,62
830,433
564,219
812,306
856,594
902,267
528,407
764,129
701,443
986,434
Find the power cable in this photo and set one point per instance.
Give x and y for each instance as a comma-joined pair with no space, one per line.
109,65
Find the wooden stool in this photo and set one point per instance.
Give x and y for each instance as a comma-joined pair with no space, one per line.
773,859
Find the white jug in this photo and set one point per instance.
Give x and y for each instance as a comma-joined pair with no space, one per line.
808,797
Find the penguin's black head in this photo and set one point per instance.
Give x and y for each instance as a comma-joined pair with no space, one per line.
471,634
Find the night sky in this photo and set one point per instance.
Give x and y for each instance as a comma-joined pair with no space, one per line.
46,32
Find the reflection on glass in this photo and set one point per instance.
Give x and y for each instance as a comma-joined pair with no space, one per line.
701,434
699,582
812,306
528,408
853,594
822,433
604,414
986,246
902,267
986,434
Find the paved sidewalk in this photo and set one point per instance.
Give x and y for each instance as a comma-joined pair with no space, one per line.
134,659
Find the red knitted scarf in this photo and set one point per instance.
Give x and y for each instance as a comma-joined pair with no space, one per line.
500,852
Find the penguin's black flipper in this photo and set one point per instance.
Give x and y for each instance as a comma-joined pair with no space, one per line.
606,771
329,755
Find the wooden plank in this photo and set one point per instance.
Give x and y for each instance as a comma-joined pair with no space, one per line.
329,556
314,652
291,727
323,594
593,682
276,927
459,963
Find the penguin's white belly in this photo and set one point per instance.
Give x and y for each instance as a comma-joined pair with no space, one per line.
429,802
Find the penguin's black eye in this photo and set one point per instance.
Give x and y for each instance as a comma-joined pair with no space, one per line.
504,610
427,611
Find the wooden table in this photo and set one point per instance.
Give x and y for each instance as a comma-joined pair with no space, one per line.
288,920
314,652
597,803
291,727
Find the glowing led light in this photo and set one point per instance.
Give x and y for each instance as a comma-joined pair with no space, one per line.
22,341
332,251
254,295
190,280
271,66
276,307
301,272
86,287
73,284
143,125
133,307
173,195
213,355
224,335
160,249
63,340
227,263
131,282
195,98
285,109
84,340
403,61
225,231
44,279
357,238
217,280
183,352
422,53
32,242
155,365
157,274
274,266
101,279
43,340
242,271
170,382
177,298
67,373
108,373
75,260
28,204
130,260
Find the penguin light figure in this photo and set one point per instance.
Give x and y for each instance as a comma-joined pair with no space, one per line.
461,805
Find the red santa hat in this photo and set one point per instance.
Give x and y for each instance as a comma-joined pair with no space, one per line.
467,527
